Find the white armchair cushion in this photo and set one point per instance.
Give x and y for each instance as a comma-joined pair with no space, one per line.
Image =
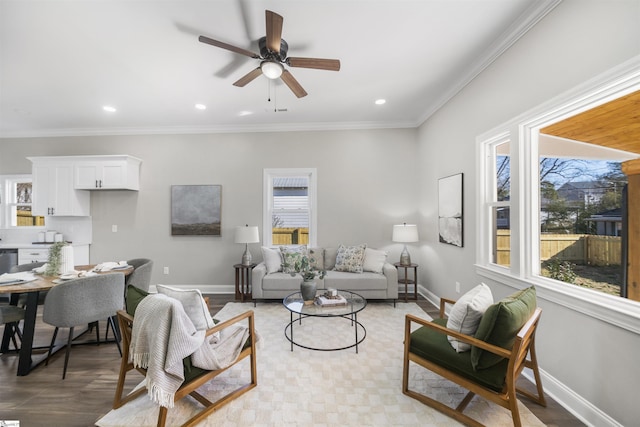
193,303
466,314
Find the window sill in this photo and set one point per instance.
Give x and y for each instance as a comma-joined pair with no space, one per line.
617,311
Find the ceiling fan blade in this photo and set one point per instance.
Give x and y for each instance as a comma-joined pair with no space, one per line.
248,78
226,46
293,84
317,63
274,31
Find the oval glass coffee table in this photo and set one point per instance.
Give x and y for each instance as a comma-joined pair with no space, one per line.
298,310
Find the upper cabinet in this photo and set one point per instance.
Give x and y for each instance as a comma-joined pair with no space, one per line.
53,192
58,182
107,173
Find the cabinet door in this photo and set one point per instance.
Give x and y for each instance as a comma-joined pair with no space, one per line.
53,192
107,175
26,256
86,176
42,193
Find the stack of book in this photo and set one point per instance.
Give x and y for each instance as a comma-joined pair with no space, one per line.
327,301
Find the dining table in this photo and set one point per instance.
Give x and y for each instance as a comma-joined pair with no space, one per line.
27,360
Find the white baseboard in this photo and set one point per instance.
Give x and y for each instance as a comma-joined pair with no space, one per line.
582,409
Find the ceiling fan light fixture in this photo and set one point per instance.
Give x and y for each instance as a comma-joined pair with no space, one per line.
272,70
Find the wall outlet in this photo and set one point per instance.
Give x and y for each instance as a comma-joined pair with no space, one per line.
166,270
458,287
114,228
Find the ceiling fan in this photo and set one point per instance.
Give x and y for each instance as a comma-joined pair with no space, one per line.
273,53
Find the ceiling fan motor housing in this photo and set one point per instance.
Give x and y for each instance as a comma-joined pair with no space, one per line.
267,54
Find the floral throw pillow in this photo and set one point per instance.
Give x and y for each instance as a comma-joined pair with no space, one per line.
350,258
292,256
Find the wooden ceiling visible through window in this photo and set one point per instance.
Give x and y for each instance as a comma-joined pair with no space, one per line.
615,124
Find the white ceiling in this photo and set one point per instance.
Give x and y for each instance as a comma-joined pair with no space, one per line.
62,61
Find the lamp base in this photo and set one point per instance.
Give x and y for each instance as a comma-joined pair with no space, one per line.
405,258
246,256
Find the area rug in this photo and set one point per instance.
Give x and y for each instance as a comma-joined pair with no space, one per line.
323,388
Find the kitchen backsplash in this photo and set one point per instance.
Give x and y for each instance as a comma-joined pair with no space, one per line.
74,229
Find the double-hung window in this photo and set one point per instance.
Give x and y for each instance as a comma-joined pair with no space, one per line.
290,207
15,201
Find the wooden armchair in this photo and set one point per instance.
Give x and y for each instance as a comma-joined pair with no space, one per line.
196,378
428,347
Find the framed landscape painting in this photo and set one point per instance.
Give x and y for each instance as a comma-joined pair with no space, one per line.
196,210
450,209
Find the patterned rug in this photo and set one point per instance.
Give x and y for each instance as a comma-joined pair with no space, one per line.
318,388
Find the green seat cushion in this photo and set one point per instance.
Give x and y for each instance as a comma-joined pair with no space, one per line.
500,324
434,346
134,296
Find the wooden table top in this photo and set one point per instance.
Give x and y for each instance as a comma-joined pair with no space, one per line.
43,283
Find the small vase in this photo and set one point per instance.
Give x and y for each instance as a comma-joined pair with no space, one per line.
308,291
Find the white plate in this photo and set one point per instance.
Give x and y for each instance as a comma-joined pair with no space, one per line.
68,276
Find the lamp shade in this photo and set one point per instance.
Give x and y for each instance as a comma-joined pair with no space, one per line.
247,234
405,233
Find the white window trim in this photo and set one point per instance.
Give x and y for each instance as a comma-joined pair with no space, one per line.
5,215
523,131
267,205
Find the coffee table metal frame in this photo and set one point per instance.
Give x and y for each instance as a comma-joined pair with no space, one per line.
295,304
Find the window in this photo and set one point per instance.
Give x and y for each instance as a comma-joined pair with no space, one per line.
563,195
16,199
289,211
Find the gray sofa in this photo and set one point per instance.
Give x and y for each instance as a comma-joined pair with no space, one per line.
369,284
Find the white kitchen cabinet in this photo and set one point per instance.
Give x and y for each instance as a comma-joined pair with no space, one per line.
53,191
117,172
36,254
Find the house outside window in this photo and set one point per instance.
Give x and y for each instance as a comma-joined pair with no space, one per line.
289,216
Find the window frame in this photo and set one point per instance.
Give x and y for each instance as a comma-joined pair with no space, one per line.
267,206
7,201
523,133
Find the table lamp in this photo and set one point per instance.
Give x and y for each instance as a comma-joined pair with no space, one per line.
405,233
247,234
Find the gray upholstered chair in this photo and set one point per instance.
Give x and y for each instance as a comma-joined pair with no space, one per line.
141,276
83,301
10,316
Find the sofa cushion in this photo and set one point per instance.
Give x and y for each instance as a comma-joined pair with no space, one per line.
193,303
434,346
466,314
350,258
355,282
374,260
292,255
272,259
500,324
330,255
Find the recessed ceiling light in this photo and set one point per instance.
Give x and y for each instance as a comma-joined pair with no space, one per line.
201,106
380,101
109,109
245,113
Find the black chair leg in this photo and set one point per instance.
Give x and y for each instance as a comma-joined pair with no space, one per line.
53,341
66,356
115,334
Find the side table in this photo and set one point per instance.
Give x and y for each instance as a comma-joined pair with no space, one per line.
405,279
243,281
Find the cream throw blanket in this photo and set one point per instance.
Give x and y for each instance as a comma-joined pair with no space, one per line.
163,335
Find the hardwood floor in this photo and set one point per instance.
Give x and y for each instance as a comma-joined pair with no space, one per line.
42,398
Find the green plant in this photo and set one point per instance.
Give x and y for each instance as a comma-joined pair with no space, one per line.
305,266
53,264
561,270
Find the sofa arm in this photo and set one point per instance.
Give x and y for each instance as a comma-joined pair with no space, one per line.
258,272
391,273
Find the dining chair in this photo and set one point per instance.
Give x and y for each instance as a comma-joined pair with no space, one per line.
83,301
141,275
10,317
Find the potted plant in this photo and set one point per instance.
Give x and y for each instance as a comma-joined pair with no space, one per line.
303,264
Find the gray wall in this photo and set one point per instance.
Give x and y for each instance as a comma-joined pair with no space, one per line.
366,183
576,42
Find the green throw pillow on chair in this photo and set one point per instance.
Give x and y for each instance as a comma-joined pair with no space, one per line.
134,296
500,324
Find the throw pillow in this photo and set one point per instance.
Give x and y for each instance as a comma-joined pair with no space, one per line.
500,324
272,259
330,255
134,296
193,303
316,258
350,258
466,314
374,260
291,256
